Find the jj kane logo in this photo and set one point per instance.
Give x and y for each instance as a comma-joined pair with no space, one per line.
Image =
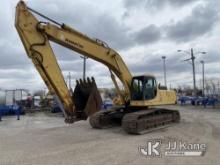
172,148
152,149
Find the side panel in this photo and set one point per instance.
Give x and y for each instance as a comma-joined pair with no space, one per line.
164,97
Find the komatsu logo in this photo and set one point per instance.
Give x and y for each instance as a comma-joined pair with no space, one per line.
74,43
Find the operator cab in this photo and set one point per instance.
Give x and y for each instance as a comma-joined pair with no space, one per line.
143,88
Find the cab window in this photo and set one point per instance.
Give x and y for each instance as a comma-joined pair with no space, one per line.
137,86
144,88
150,89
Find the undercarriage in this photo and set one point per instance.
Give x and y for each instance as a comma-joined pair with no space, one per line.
134,121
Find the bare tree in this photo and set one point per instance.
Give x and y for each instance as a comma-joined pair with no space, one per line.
212,86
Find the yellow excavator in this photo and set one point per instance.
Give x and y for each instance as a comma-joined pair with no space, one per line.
141,94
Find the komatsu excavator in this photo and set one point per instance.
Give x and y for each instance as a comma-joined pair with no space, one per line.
141,94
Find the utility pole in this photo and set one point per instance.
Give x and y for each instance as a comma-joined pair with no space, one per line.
84,66
192,58
69,80
203,78
218,87
194,72
164,70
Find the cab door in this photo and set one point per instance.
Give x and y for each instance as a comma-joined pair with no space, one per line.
150,88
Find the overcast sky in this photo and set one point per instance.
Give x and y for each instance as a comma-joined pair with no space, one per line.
140,30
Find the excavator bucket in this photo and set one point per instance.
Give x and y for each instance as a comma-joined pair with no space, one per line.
87,98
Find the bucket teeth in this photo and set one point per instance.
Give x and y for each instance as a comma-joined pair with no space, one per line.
81,81
93,80
88,80
87,98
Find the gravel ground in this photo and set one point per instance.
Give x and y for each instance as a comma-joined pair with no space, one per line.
42,138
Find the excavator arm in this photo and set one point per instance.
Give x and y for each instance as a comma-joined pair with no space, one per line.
35,36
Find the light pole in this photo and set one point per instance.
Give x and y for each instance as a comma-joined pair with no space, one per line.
69,80
84,66
164,70
203,78
192,58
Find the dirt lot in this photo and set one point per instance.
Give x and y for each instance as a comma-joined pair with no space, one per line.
42,138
